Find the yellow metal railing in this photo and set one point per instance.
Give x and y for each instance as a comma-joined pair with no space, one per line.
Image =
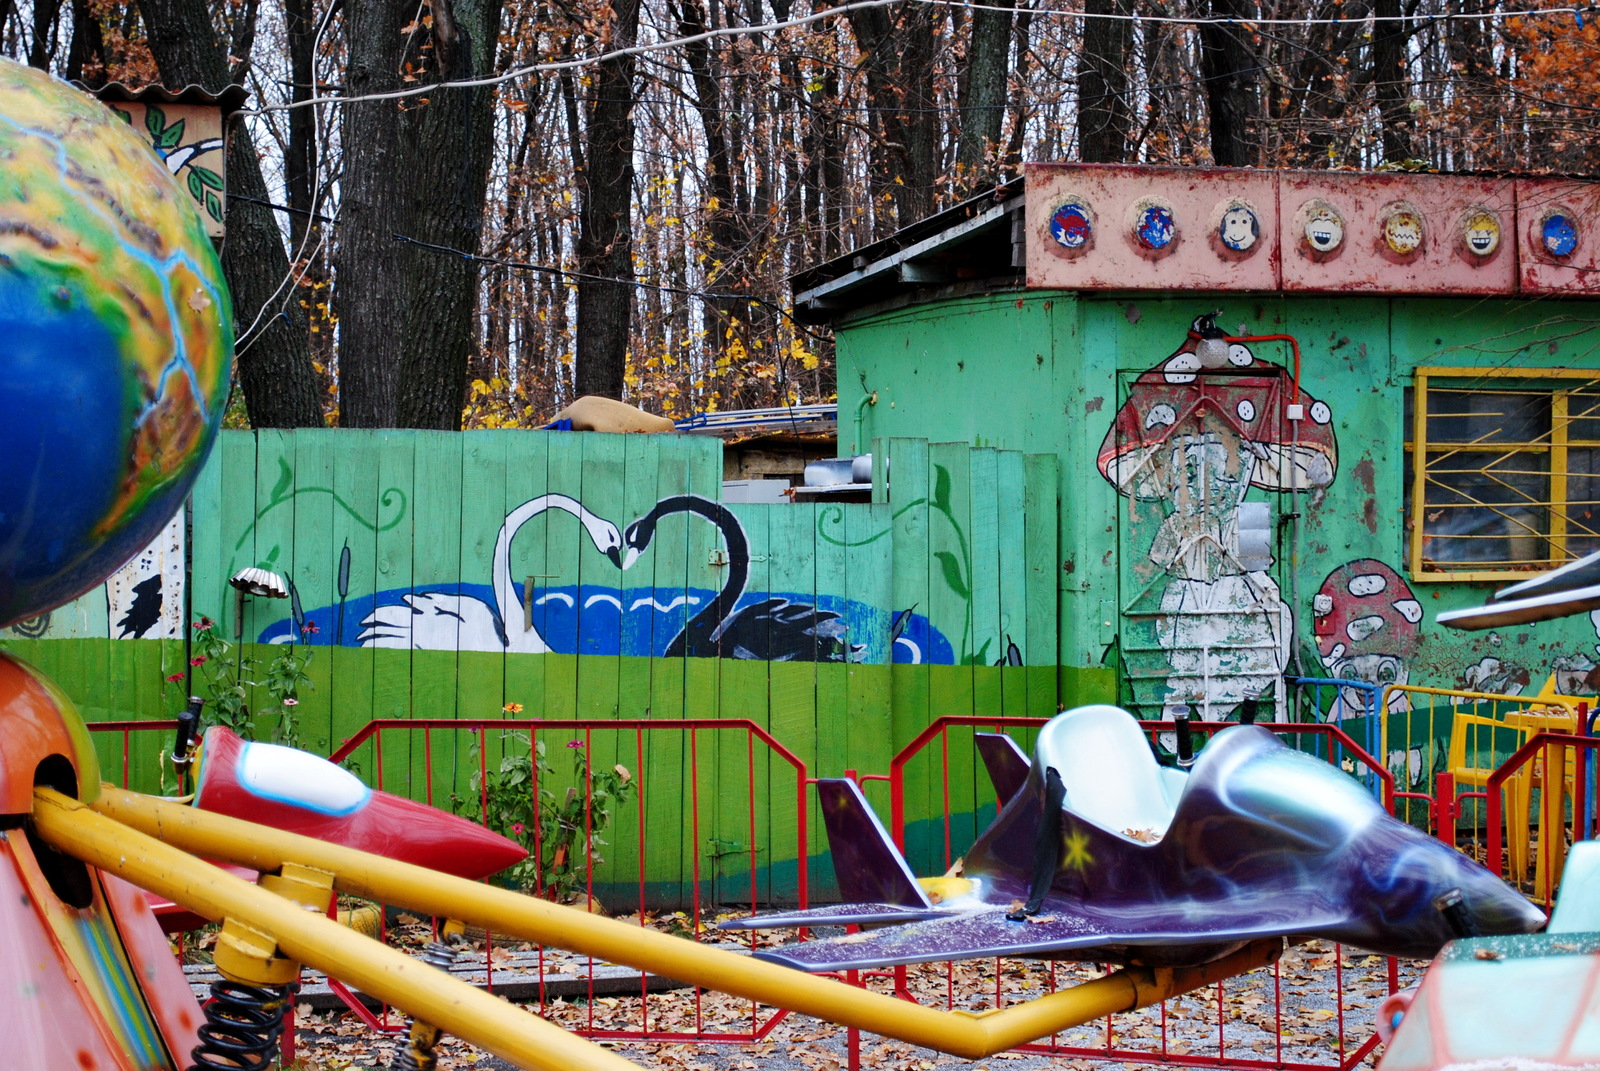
1428,731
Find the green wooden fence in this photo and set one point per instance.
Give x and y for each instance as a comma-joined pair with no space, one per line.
857,624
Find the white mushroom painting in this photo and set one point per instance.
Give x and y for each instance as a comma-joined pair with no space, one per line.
1196,433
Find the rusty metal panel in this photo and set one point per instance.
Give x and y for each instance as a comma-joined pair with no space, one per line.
1558,236
1396,233
1151,228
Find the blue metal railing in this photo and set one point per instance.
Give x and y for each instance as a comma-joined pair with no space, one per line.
1349,704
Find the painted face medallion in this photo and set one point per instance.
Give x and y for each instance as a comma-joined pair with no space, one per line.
1239,228
1481,235
1559,233
1155,228
1402,231
1070,225
1324,227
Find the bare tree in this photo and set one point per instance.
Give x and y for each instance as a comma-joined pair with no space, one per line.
605,231
417,179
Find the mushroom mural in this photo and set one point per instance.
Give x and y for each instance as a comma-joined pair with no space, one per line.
1365,619
1197,432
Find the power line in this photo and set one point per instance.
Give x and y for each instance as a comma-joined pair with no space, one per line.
861,5
546,269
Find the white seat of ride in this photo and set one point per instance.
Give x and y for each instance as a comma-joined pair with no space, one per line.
1111,776
1578,907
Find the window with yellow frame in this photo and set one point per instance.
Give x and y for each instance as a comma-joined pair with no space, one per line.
1509,478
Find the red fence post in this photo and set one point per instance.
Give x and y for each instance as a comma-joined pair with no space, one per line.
1445,808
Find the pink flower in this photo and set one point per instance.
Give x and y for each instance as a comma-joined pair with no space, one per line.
516,827
204,622
175,678
200,661
291,702
309,629
574,743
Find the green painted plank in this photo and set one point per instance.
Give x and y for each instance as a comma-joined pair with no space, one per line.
642,465
702,544
665,779
480,671
911,485
969,785
386,569
436,575
950,600
527,462
792,701
1043,559
869,686
313,568
562,535
1011,512
604,493
352,557
744,690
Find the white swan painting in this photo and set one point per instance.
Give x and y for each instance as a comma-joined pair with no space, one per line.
437,621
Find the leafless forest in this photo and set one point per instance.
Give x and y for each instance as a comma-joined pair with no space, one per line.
451,213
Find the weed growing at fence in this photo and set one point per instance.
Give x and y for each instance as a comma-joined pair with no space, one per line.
227,680
560,827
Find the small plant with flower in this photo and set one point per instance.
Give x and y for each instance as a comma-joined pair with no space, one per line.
225,679
559,820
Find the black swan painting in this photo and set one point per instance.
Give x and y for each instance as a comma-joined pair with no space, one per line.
773,630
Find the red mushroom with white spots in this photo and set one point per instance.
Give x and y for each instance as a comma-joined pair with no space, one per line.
1365,619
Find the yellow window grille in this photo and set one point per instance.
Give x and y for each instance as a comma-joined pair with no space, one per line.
1509,471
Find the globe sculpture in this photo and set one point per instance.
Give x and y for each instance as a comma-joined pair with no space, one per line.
116,341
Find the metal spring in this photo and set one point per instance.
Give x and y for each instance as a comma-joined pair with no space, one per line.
242,1028
418,1054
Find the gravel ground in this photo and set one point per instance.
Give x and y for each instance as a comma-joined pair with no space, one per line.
1305,1022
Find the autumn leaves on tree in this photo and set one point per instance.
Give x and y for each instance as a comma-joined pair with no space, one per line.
466,212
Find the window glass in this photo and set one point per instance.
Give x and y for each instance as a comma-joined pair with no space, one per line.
1511,480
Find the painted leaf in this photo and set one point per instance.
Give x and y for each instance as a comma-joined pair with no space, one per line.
155,121
951,568
172,136
285,480
213,206
209,177
941,488
197,191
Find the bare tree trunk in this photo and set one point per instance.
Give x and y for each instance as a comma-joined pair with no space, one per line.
415,171
1391,87
983,100
280,387
1103,114
1227,60
605,232
86,55
46,15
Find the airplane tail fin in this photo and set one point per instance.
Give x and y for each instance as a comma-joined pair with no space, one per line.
869,868
1006,762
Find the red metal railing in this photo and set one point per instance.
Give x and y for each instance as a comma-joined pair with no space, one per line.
739,765
127,729
1551,751
1250,1022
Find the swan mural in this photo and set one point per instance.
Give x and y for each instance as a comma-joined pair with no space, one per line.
773,629
440,621
602,616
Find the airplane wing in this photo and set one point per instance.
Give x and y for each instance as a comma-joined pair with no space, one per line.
1196,933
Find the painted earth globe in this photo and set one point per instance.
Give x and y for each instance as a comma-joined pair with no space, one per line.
116,340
